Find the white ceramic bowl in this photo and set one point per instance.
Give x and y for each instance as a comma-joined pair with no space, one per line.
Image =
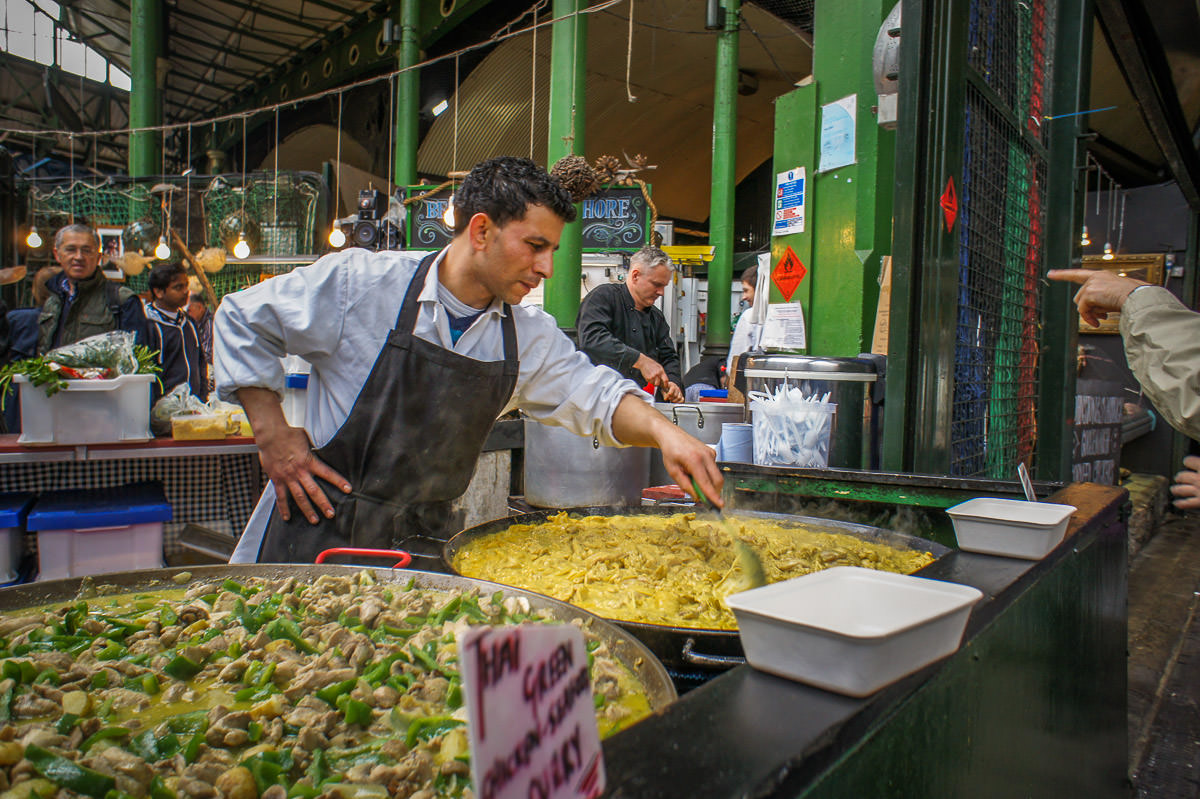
1010,527
851,630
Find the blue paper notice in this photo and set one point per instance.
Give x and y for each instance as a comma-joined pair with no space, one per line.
837,133
789,202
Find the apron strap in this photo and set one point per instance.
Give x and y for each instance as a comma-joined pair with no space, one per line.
406,319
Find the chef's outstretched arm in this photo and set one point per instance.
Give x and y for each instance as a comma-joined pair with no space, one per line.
638,423
287,457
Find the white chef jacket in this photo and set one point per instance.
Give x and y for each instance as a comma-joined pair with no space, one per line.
746,335
336,314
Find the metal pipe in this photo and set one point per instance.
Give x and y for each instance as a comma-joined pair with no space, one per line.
568,70
408,95
145,109
724,182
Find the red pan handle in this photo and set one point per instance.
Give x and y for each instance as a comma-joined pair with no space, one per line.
404,557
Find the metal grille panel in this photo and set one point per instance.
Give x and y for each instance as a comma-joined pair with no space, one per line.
994,421
1009,47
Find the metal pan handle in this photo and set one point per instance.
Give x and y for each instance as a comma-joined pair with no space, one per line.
699,659
675,409
404,558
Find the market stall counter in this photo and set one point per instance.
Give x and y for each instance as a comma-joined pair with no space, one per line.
1032,704
214,484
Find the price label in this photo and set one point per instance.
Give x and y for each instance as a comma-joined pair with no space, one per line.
532,722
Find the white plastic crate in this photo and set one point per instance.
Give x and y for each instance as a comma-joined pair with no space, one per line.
86,411
93,531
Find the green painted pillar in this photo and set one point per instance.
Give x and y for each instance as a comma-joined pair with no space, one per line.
724,182
145,99
568,69
848,209
408,95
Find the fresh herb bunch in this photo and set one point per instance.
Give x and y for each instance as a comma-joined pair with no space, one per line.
42,371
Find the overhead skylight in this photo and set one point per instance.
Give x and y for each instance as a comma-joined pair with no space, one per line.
30,30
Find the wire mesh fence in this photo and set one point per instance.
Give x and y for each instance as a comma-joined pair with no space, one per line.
1002,213
278,213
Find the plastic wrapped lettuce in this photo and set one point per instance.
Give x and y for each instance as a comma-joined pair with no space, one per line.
112,351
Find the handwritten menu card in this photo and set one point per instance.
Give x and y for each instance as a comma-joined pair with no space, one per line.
532,720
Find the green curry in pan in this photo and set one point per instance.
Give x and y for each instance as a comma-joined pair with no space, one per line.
342,688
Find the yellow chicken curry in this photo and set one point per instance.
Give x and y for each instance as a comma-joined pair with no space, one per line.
673,570
345,688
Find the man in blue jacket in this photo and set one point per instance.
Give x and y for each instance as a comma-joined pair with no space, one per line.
171,332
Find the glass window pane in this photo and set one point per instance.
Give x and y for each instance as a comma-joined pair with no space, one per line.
97,65
71,55
43,39
20,27
118,78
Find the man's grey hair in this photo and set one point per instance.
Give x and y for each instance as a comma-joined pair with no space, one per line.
651,258
75,228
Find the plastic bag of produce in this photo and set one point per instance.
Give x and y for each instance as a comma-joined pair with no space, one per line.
112,351
179,401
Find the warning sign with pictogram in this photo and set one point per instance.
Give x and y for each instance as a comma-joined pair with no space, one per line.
949,203
788,273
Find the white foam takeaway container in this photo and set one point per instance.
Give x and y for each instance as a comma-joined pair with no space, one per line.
851,630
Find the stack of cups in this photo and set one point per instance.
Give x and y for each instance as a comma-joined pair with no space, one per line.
737,443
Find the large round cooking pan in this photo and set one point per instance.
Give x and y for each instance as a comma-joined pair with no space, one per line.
660,691
691,648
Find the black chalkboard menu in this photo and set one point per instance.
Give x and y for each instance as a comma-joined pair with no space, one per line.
1096,450
612,219
615,219
426,230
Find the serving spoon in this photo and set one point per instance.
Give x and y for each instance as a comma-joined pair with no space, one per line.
748,561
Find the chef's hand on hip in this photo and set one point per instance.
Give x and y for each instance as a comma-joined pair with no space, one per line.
1187,485
288,459
652,371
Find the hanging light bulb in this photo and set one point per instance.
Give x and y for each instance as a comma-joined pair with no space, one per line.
1084,240
336,237
241,249
33,239
163,251
448,214
1108,252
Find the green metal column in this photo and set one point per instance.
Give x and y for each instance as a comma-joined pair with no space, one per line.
408,95
145,99
1067,190
851,205
568,69
724,182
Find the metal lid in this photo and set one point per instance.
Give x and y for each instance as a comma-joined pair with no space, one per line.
806,367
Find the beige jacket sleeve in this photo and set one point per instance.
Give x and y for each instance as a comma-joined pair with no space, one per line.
1162,346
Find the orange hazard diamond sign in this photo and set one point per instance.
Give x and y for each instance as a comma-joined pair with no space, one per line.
788,273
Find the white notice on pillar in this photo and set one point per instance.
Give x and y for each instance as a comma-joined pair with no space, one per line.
532,722
784,329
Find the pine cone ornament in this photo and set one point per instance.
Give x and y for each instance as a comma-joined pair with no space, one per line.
606,168
576,176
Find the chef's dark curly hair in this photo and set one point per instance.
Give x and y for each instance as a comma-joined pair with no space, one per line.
504,187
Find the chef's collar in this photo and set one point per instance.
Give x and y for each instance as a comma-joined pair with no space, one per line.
429,292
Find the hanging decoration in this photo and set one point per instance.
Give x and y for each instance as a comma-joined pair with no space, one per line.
337,238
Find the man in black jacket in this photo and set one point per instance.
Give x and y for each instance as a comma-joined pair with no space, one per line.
620,327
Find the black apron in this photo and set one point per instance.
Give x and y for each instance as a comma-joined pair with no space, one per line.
408,447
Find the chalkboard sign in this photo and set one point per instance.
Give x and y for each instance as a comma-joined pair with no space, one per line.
615,219
1096,454
426,230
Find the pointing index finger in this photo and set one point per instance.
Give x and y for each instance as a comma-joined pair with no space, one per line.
1071,275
